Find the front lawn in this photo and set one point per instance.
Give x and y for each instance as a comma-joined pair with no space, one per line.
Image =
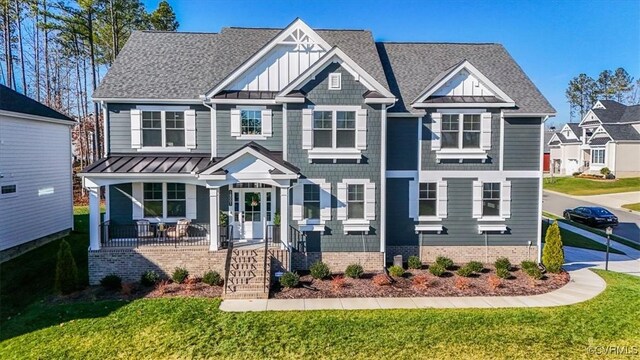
634,206
196,328
579,186
570,238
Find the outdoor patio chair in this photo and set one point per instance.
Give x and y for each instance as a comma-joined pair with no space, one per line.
144,229
180,230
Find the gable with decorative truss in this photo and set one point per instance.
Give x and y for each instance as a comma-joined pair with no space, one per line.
283,59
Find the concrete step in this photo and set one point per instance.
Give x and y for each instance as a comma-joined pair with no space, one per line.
246,295
246,287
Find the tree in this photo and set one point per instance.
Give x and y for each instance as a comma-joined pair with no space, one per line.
66,280
622,85
552,253
163,18
116,19
604,85
581,94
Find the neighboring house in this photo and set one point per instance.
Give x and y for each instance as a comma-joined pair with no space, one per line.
546,152
327,144
36,197
608,136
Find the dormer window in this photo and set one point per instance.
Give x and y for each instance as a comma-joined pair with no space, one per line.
335,81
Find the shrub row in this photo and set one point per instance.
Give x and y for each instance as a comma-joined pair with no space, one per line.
151,278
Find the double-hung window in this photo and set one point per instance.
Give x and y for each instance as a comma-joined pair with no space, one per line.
471,131
454,138
491,199
428,199
355,201
450,131
323,129
311,207
163,129
334,129
164,200
597,156
251,122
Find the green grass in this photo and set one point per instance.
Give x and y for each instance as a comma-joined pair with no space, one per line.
196,328
615,238
634,206
575,240
578,186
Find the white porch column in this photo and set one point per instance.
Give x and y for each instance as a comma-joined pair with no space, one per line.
214,217
284,215
94,218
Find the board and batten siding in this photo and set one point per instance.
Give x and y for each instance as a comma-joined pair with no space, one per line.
120,128
522,143
228,144
36,157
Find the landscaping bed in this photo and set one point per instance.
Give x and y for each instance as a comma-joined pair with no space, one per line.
419,282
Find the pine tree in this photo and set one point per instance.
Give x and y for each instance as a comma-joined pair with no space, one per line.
66,270
622,84
163,18
552,253
581,94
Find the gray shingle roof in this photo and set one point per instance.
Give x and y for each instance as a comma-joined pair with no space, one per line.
617,113
622,131
411,66
15,102
547,137
564,140
600,140
577,130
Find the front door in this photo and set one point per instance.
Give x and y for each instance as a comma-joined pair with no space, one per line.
253,219
250,210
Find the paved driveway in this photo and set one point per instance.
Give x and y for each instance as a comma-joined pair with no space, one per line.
629,222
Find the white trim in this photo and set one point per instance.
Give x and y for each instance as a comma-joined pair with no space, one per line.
392,174
475,72
160,149
406,114
428,228
151,101
491,228
461,154
162,108
337,55
105,129
325,199
332,76
541,154
384,100
462,111
244,101
501,160
290,100
383,181
247,150
489,175
311,228
214,131
515,114
584,118
334,154
349,226
420,144
285,135
463,105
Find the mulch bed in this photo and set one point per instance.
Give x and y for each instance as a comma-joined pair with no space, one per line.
133,291
519,284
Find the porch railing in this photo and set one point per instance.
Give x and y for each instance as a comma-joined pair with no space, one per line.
273,235
224,235
297,239
167,234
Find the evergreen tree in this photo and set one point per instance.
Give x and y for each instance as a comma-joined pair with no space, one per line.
605,87
552,253
622,85
163,18
66,280
581,94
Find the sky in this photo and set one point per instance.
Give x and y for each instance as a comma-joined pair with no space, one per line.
553,41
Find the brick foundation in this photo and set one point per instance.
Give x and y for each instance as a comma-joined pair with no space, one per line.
464,254
338,261
130,263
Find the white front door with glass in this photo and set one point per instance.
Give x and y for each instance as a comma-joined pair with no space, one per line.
251,210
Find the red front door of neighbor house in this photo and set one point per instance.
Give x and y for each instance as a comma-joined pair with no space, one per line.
546,162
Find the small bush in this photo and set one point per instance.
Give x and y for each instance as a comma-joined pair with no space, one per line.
462,283
475,266
212,278
437,269
396,271
289,279
320,270
503,273
552,253
421,281
605,171
414,262
381,280
149,278
577,173
111,282
464,271
503,263
444,262
494,282
338,282
527,264
179,275
354,271
533,272
66,280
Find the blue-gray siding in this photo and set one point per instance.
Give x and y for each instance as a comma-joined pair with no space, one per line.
228,144
522,143
351,94
402,140
400,227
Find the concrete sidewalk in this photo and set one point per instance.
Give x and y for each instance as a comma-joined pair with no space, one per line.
615,200
584,285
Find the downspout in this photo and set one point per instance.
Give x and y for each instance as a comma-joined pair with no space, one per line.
383,183
214,142
540,179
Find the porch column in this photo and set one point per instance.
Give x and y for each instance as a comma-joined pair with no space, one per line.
284,215
214,217
94,218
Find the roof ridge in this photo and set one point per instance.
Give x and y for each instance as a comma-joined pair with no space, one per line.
436,43
276,28
176,32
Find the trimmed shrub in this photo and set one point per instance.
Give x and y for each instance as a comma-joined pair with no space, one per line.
503,263
66,280
111,282
381,280
289,279
338,282
149,278
503,273
212,278
494,282
437,269
552,253
533,272
475,266
396,271
577,173
354,271
414,262
527,264
462,283
465,271
605,171
179,275
444,262
320,270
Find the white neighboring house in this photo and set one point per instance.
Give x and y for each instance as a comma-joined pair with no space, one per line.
608,136
36,195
